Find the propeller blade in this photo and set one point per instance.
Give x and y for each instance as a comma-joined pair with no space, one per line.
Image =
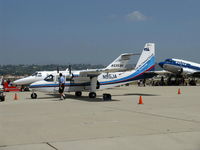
70,69
57,69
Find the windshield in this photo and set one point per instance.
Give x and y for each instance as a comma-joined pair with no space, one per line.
34,74
168,60
49,78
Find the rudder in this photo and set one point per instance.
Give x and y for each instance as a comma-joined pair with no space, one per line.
147,58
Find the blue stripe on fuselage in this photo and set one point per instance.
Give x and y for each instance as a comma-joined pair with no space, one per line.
182,64
57,85
138,74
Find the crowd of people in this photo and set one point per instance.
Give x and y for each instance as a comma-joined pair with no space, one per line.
170,81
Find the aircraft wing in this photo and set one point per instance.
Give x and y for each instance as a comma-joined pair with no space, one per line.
117,65
162,72
96,72
150,74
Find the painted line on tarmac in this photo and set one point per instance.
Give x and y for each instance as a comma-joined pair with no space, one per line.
51,146
155,115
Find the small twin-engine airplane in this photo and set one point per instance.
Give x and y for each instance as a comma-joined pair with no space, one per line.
91,80
181,67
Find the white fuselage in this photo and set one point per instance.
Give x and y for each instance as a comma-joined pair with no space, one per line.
179,66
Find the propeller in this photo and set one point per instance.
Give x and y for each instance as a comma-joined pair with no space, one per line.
57,69
70,73
70,69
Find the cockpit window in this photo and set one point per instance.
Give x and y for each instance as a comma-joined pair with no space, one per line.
49,78
34,74
168,60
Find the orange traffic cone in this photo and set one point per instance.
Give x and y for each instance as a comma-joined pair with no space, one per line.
179,91
15,97
140,100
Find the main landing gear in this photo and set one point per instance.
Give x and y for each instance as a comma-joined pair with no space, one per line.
78,93
33,95
2,96
92,95
107,97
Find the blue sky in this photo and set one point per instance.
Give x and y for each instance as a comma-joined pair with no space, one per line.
96,31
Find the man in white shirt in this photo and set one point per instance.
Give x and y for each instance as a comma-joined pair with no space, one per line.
61,86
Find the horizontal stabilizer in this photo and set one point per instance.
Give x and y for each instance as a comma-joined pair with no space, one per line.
120,62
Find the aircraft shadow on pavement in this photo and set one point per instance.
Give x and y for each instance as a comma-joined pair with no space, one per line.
83,98
86,98
44,97
136,94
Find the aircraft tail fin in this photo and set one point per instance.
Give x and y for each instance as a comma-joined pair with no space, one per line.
147,57
120,62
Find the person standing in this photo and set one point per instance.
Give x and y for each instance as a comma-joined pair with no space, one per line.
144,82
61,86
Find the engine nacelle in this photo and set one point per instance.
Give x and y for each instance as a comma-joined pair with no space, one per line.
173,69
179,70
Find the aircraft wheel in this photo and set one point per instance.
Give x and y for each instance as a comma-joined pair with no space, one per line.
33,95
107,97
2,98
92,95
78,93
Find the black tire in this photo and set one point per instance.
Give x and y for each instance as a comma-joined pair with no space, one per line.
33,95
26,89
92,95
78,93
107,97
2,98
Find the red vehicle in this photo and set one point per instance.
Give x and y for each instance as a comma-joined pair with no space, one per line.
9,88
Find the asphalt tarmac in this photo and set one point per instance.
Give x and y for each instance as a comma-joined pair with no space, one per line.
165,121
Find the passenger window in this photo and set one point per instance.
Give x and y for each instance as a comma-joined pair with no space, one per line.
39,75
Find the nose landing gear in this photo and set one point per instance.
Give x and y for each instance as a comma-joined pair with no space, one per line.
34,96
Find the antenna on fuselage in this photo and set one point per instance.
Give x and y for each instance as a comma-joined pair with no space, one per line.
70,69
70,73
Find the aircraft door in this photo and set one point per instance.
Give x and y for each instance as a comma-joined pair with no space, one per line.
56,82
